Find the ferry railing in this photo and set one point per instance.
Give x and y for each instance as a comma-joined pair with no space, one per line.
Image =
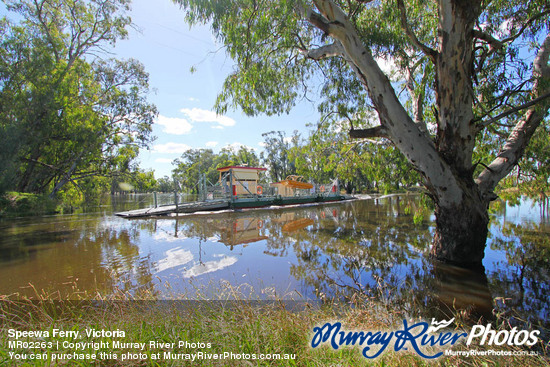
266,191
221,191
327,190
215,191
161,199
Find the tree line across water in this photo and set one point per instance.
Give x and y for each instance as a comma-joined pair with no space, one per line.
320,157
72,122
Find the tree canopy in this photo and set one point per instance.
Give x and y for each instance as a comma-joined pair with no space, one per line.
67,112
468,90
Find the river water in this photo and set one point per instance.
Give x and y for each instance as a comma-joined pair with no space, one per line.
376,246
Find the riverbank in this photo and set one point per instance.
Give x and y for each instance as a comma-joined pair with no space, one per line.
236,333
18,204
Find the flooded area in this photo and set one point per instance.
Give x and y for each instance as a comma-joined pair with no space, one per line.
378,247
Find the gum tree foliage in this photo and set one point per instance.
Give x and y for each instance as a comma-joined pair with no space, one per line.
534,168
327,154
473,72
277,154
359,165
66,112
190,167
165,184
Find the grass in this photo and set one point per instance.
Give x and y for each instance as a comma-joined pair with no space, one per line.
239,327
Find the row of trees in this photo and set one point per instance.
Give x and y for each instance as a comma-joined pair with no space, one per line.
324,155
69,116
72,121
328,153
196,162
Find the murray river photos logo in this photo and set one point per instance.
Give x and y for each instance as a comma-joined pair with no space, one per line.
418,336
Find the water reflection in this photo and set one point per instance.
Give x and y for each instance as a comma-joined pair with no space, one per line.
78,255
520,276
318,252
175,257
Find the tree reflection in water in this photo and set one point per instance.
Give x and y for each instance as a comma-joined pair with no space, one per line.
375,248
73,257
520,281
334,251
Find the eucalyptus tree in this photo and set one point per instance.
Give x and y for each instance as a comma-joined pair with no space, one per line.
328,153
165,184
469,71
277,154
68,113
191,166
231,156
534,168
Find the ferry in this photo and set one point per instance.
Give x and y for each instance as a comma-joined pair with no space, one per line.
238,188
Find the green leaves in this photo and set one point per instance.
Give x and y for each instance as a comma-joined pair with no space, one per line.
260,36
77,115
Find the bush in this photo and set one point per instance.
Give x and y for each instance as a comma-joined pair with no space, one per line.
22,204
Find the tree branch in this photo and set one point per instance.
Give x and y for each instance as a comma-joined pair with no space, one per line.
492,41
39,8
318,21
431,53
323,52
519,137
415,145
373,132
512,110
42,164
527,24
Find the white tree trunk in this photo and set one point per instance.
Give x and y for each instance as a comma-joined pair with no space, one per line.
461,203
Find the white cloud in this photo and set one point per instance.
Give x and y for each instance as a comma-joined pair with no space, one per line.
171,148
174,257
163,160
386,64
211,144
262,144
209,267
174,125
200,115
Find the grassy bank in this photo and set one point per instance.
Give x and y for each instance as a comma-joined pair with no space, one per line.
17,204
215,328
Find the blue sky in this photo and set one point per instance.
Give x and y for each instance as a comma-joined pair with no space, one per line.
168,48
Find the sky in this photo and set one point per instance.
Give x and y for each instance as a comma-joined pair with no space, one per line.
169,48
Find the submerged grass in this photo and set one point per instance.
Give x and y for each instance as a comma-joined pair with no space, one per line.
215,327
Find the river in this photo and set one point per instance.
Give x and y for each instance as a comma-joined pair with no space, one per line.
376,246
